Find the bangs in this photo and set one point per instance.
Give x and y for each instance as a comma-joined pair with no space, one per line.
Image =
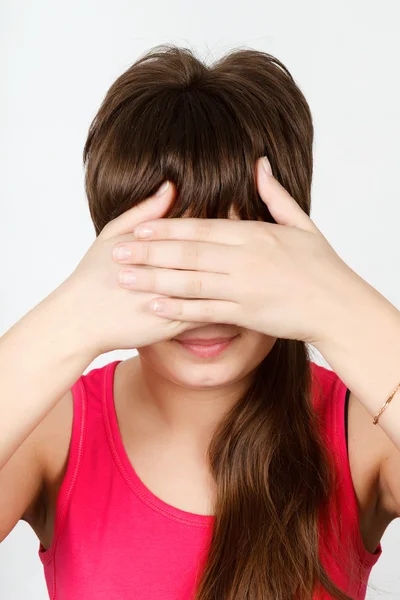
203,128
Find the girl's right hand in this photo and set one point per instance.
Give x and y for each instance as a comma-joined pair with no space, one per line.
111,317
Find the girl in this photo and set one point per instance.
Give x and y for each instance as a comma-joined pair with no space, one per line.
220,463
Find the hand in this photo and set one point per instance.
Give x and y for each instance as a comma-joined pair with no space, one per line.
109,316
279,279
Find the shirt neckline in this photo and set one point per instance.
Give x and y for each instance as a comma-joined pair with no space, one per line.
125,466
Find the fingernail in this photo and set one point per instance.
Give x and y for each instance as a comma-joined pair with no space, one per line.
162,189
143,232
158,306
121,252
267,166
127,278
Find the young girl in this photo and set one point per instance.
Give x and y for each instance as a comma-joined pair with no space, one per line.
220,463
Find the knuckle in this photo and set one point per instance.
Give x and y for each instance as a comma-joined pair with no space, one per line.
209,312
152,280
191,254
177,309
259,227
194,287
269,237
164,229
107,231
144,253
204,229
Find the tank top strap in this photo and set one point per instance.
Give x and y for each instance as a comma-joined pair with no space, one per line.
88,443
329,398
93,391
97,383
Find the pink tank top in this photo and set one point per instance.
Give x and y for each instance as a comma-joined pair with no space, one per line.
114,539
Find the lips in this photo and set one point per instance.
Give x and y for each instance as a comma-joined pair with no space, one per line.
206,347
205,341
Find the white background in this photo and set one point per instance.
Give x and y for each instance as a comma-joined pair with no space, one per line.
57,61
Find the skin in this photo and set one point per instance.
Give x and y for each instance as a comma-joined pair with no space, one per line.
168,400
157,421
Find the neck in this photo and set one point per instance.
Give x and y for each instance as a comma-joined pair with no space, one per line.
182,412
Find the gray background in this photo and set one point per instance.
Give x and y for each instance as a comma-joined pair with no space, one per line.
57,61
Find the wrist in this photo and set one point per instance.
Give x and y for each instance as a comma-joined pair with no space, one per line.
66,305
350,310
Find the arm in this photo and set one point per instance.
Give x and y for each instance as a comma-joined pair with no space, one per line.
34,470
41,356
362,345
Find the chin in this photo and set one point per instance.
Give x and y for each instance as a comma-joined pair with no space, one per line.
208,359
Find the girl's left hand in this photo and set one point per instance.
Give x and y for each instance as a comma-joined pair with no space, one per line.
283,279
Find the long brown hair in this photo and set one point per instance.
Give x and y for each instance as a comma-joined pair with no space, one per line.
169,116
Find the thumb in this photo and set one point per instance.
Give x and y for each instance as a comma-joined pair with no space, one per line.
153,207
284,209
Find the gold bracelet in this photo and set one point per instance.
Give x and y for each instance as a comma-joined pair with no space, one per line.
385,405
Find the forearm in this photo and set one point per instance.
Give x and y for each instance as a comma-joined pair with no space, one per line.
362,345
41,356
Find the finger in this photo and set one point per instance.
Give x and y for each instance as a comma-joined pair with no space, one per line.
171,254
197,311
221,231
153,207
284,209
180,284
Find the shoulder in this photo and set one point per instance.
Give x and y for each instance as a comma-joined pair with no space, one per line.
373,459
57,436
364,440
56,430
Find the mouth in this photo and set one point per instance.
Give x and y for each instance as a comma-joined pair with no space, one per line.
206,348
